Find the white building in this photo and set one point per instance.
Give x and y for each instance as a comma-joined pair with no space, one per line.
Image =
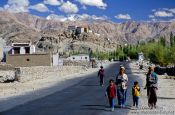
1,49
57,60
98,35
2,44
140,56
90,31
22,48
72,29
79,30
80,57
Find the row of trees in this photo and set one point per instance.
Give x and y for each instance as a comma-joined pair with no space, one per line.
159,52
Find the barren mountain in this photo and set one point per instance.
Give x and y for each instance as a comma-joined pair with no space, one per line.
52,34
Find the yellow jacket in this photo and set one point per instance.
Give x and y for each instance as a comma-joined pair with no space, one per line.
136,91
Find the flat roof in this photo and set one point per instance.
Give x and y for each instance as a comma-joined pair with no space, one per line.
81,55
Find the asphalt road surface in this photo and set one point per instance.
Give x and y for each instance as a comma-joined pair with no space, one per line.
84,98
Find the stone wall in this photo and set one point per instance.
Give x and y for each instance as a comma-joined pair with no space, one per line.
40,72
28,60
87,64
7,75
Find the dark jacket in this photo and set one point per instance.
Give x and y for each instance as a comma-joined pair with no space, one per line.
151,80
101,72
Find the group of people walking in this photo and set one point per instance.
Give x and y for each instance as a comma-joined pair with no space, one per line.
118,88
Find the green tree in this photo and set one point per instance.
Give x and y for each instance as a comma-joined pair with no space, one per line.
171,39
151,41
130,47
103,56
157,55
172,55
125,49
133,54
162,41
120,54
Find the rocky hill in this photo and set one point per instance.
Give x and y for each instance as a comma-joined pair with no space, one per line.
52,34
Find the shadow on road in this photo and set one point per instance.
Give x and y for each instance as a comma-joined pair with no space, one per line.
169,98
84,97
95,107
103,107
90,85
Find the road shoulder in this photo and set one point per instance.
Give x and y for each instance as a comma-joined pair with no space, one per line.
21,93
166,95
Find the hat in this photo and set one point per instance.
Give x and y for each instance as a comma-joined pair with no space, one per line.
122,67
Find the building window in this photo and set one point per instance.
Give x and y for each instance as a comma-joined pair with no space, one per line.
28,59
73,58
27,50
16,50
85,57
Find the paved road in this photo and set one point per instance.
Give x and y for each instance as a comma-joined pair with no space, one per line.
84,98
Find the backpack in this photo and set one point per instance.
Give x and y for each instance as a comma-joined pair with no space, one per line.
153,80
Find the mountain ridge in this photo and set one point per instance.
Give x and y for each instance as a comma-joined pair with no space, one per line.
17,27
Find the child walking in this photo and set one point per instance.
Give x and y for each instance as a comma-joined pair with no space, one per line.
111,93
101,75
136,94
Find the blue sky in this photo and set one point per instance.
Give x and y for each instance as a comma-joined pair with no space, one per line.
114,10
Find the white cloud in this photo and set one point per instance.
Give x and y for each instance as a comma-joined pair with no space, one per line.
52,2
17,6
160,13
98,3
151,16
163,14
84,7
123,16
40,7
153,10
75,17
154,20
69,7
172,10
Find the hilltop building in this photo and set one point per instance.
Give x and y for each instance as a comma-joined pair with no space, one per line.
72,29
79,29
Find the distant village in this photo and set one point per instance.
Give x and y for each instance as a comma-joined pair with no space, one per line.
25,55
